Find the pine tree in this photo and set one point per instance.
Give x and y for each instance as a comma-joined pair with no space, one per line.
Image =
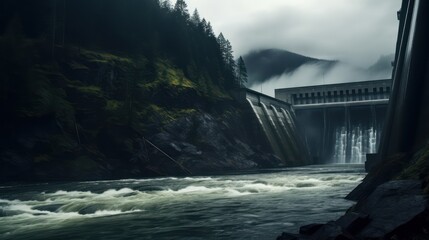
182,8
241,72
228,60
209,30
195,19
222,43
166,5
229,57
227,52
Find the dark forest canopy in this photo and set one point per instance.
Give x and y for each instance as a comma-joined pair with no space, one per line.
150,28
83,81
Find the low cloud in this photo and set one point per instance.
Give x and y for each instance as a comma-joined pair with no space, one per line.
354,31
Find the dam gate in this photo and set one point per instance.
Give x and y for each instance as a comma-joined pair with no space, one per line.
340,123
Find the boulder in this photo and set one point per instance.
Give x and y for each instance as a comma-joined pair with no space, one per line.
353,222
391,206
287,236
310,229
394,210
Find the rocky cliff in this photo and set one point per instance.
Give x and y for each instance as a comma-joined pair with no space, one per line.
97,89
93,114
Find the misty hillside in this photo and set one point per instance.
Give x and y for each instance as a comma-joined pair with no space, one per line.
265,64
383,64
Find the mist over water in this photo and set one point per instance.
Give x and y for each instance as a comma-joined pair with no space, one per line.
244,206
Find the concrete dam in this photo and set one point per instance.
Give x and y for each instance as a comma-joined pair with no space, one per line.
340,123
276,122
334,123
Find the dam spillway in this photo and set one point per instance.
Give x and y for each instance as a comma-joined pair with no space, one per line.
276,122
340,123
335,123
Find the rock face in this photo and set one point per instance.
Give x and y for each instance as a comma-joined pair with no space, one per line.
395,210
200,143
88,118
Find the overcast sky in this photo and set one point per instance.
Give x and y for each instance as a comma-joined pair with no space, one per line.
354,31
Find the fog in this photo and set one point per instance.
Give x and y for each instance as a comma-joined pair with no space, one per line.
353,31
318,74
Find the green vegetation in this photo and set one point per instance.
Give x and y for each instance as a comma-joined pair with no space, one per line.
170,77
103,57
89,90
418,168
78,92
113,105
163,115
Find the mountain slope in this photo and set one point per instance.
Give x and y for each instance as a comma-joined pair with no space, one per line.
383,65
83,100
265,64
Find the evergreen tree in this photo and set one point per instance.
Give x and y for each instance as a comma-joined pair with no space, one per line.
228,60
229,57
222,43
227,52
241,72
166,5
182,8
195,19
153,28
209,30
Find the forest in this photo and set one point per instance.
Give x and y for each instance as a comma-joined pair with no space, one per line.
85,79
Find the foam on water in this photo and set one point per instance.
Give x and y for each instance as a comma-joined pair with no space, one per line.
53,208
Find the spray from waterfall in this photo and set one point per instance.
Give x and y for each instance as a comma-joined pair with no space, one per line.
352,145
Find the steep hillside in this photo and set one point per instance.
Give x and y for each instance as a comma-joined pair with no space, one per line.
117,89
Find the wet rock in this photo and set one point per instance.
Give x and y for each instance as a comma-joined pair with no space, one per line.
310,229
391,206
13,165
287,236
353,222
396,208
190,149
203,144
385,171
345,236
328,231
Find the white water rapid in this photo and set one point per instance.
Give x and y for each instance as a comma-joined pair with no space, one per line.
239,206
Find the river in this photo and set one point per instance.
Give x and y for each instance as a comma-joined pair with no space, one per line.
258,205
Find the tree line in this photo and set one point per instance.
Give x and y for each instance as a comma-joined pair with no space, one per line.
153,28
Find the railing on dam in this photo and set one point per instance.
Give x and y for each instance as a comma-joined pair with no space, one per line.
340,123
332,95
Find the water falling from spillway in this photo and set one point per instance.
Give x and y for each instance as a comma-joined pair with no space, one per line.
340,145
352,145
